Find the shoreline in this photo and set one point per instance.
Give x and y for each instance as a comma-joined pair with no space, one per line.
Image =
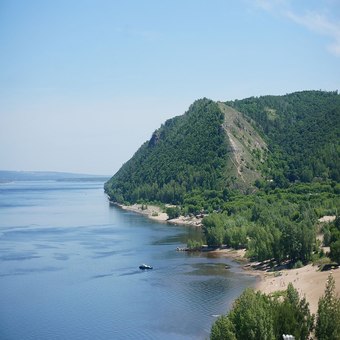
155,213
150,211
307,280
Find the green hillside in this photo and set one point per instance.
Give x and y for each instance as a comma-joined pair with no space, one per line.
216,149
186,153
302,131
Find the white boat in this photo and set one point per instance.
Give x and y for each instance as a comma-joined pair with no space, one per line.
145,266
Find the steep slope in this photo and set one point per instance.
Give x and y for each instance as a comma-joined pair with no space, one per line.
302,130
186,153
217,147
247,149
200,151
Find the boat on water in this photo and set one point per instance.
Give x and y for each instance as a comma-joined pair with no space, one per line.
145,266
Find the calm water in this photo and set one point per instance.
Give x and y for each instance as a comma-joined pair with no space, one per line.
69,270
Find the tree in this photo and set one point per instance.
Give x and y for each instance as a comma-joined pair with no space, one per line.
213,229
186,154
260,246
252,317
173,212
292,316
257,316
328,316
223,329
335,251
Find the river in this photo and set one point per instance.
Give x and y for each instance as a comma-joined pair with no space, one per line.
69,269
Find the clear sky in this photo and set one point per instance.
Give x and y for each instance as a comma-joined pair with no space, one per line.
84,83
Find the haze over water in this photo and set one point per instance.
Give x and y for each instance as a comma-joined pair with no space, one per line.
69,269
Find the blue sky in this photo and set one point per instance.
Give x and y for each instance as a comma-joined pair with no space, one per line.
84,83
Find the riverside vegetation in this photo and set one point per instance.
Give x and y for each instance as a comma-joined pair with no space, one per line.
261,170
258,316
264,174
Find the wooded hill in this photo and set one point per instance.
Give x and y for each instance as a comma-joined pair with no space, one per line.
216,149
303,133
201,152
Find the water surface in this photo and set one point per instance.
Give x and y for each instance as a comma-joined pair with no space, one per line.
69,270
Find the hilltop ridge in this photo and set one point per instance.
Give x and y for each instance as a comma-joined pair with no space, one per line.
216,148
199,152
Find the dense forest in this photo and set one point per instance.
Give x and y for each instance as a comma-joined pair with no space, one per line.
184,155
262,171
189,159
303,134
280,225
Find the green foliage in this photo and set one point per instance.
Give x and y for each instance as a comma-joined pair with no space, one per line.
221,229
270,228
260,244
302,130
335,251
187,163
328,316
223,329
194,244
292,315
213,229
173,212
334,240
326,236
298,264
320,260
186,154
251,316
257,316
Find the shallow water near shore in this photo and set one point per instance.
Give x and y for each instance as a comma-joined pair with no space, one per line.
69,269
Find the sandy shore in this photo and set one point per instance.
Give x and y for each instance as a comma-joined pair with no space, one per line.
151,211
307,280
155,213
238,255
186,220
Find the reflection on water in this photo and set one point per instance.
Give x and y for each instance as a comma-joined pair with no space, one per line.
69,270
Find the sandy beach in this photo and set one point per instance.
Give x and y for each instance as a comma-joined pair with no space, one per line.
155,213
151,211
307,280
188,221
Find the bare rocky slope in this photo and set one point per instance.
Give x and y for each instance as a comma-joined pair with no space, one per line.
248,150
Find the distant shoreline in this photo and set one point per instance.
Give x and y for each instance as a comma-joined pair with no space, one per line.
23,176
155,213
151,211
